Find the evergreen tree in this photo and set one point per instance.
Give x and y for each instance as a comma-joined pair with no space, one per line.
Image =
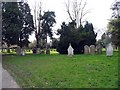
17,23
28,26
78,37
48,20
11,23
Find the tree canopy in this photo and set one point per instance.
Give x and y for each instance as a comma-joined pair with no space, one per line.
114,24
78,37
17,23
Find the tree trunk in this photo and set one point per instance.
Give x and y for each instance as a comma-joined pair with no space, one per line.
2,50
8,49
46,44
119,49
37,42
37,45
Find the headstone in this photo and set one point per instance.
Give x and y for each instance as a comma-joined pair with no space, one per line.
86,49
99,49
18,50
48,49
34,50
109,50
92,49
22,52
70,50
38,50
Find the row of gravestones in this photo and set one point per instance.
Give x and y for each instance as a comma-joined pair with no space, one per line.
87,49
21,51
92,49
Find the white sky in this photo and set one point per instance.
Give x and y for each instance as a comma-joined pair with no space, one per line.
99,15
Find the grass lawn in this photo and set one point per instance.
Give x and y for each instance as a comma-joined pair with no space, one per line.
61,71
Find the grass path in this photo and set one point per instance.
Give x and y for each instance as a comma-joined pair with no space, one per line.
61,71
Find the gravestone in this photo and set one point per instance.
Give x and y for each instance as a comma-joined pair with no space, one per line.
38,51
99,49
18,50
48,49
86,49
22,52
109,50
70,50
92,49
34,50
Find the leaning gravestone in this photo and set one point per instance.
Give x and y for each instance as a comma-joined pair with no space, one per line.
86,49
70,50
109,50
92,49
99,49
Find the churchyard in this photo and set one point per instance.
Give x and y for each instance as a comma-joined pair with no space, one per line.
78,54
62,71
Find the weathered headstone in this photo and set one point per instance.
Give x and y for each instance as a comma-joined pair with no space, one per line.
109,50
92,49
22,52
99,49
70,50
86,49
18,50
48,49
37,50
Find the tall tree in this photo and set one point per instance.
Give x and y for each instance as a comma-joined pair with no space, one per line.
90,34
17,23
11,23
114,24
114,28
28,26
37,22
48,20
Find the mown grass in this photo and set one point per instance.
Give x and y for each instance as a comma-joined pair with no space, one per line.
61,71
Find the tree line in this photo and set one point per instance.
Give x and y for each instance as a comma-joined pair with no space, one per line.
18,24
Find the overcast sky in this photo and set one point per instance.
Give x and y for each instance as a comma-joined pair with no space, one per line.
99,15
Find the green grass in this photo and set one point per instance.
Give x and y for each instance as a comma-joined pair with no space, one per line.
61,71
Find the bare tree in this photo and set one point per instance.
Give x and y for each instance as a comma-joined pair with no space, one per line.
37,22
76,11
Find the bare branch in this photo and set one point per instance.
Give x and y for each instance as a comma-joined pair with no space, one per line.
82,13
68,10
80,4
77,12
